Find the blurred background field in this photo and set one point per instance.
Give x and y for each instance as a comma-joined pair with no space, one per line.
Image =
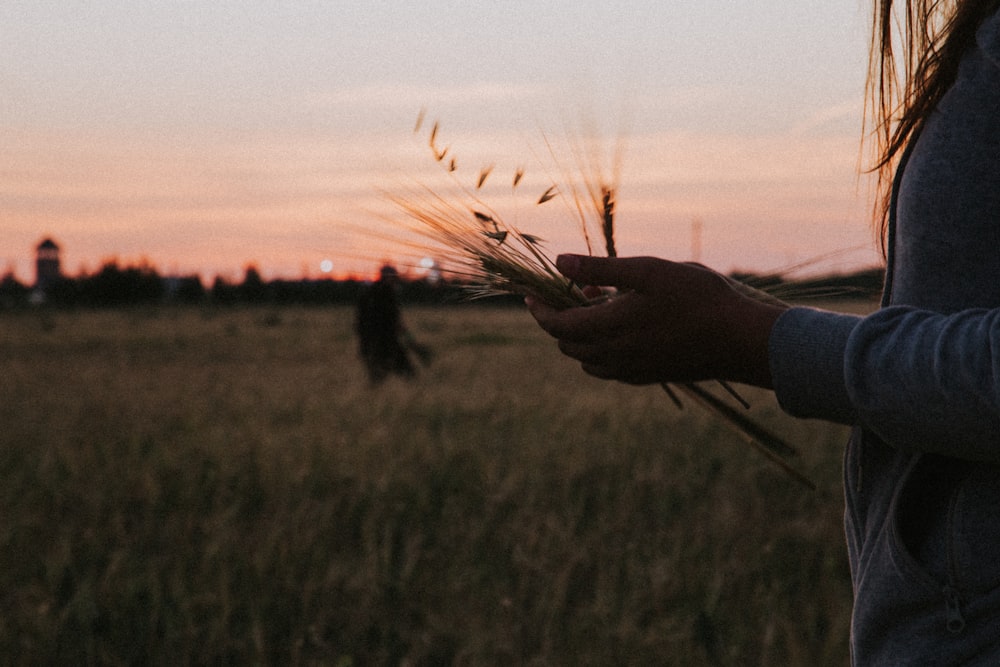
197,485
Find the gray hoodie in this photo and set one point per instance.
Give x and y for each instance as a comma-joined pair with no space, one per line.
920,382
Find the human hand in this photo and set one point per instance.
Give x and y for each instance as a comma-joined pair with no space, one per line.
669,322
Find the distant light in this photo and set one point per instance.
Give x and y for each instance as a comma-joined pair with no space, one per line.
326,266
433,271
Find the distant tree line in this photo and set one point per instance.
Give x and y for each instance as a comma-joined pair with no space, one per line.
137,285
116,286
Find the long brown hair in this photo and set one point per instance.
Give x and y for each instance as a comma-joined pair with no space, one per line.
903,89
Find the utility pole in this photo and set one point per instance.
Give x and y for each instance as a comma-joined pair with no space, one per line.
696,230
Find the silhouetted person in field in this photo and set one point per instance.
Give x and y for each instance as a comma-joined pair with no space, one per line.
384,342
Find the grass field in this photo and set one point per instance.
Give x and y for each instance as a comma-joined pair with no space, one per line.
222,486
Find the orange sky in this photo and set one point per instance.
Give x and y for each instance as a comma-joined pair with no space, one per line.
762,202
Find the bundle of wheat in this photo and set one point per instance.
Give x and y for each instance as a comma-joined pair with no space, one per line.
495,258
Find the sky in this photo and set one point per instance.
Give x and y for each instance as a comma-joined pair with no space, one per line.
203,137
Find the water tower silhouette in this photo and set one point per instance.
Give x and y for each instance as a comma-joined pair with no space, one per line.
47,271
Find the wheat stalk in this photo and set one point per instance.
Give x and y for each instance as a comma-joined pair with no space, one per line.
493,258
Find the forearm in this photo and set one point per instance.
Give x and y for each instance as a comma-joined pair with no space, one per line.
929,382
919,380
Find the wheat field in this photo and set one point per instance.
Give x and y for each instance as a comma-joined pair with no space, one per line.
191,486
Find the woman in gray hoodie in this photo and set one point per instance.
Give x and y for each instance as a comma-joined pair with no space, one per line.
919,380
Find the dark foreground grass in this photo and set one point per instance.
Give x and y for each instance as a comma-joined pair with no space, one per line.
191,487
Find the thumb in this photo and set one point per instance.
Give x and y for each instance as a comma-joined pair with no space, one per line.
625,273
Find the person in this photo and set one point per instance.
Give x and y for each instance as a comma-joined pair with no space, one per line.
384,343
919,379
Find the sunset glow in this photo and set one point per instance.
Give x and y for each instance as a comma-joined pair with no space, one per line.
204,138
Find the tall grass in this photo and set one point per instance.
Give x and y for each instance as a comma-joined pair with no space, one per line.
204,487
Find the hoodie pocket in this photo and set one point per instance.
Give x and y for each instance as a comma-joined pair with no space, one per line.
975,531
947,521
923,516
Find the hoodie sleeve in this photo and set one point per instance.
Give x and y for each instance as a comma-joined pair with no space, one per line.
920,380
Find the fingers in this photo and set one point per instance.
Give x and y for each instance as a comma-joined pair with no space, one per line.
603,346
579,325
627,273
557,323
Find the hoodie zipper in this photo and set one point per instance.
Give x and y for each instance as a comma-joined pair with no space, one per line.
953,610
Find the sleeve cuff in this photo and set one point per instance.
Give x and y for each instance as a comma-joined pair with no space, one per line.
807,351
